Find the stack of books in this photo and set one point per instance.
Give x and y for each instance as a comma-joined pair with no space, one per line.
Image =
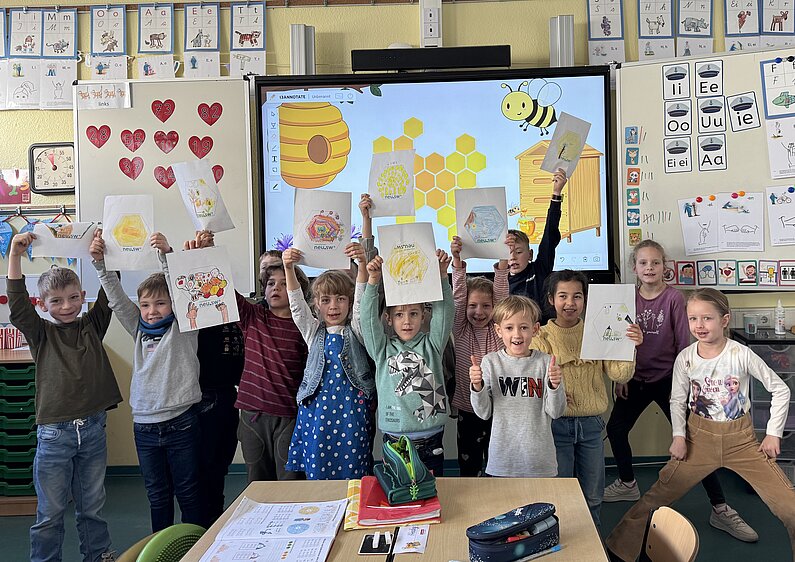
368,508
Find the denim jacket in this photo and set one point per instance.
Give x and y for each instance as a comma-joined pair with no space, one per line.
354,362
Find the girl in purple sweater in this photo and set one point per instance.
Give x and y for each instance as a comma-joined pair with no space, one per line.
662,315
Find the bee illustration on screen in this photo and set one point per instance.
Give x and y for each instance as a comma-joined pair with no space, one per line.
538,111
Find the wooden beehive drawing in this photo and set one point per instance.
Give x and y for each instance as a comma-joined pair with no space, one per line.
581,209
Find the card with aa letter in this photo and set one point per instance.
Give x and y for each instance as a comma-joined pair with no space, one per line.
482,222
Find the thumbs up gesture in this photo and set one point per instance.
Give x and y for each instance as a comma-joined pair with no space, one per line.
476,374
553,375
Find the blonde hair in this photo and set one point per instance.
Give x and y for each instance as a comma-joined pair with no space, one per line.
481,284
154,285
648,243
516,304
333,282
520,236
56,279
715,298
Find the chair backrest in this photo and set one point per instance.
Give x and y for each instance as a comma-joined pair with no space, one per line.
171,544
670,537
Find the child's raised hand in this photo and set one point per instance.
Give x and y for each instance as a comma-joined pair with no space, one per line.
455,250
444,262
374,269
476,374
678,448
771,446
355,251
554,374
290,257
97,247
159,242
559,180
635,334
205,239
20,243
365,204
622,391
510,241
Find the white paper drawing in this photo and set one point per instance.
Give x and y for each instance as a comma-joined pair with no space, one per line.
23,89
127,225
202,64
566,145
781,147
201,288
201,196
650,49
3,82
109,67
610,311
156,28
56,81
60,33
201,27
699,221
605,51
780,202
742,18
63,240
391,184
741,219
156,67
104,95
482,222
322,227
694,46
411,268
243,63
108,30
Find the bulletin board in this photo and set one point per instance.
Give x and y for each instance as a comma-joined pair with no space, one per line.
130,151
707,167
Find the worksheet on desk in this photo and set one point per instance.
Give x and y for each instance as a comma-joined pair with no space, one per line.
254,520
284,550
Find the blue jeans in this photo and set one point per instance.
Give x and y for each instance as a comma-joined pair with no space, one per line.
168,453
70,460
580,451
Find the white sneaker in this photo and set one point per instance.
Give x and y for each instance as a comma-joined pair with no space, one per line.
727,519
619,491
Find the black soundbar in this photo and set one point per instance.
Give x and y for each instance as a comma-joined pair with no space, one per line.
431,58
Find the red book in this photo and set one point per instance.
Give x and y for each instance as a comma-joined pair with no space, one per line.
374,510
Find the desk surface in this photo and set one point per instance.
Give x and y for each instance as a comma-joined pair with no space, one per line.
465,501
15,356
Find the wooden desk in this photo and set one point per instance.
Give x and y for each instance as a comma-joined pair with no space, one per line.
465,501
15,356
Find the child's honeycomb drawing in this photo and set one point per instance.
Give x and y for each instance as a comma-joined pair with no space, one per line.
130,231
324,227
407,265
436,177
484,224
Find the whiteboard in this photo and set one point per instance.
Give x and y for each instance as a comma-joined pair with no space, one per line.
641,89
170,113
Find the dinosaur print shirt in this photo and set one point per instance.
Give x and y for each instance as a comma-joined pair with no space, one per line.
517,397
409,378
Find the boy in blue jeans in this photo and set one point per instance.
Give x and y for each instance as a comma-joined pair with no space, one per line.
75,385
163,391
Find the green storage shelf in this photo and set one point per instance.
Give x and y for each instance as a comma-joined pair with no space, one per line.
21,374
16,472
22,420
22,390
17,405
17,455
12,438
7,489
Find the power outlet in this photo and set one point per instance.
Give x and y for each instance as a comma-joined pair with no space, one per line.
766,318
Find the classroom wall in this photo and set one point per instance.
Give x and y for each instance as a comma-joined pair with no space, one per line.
522,24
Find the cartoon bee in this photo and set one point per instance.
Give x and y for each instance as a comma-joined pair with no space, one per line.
539,111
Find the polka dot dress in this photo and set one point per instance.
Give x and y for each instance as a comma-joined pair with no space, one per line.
332,436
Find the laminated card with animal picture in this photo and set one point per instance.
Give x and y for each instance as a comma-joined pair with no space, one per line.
201,287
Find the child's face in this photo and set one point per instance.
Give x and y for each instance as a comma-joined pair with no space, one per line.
154,307
706,322
695,390
276,291
480,308
64,304
732,385
649,266
406,320
516,332
750,271
520,256
333,309
568,300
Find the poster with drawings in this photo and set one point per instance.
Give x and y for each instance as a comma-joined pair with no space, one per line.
245,63
202,27
60,34
25,33
56,81
693,46
781,147
776,17
202,197
156,67
322,227
604,51
411,268
780,201
156,28
605,19
741,220
108,30
63,240
742,17
744,43
23,88
109,67
247,26
202,65
694,18
655,19
200,282
768,272
777,91
699,220
650,49
609,312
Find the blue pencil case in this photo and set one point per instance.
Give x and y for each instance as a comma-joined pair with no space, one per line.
530,528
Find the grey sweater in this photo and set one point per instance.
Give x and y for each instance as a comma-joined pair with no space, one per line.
165,375
516,394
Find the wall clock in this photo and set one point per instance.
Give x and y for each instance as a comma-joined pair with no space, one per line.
52,167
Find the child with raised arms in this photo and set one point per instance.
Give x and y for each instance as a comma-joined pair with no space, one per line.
703,444
522,390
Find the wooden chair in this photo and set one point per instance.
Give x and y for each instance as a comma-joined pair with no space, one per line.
670,537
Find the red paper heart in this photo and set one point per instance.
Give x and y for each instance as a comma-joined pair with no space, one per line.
166,141
218,172
163,109
132,168
200,147
98,136
133,140
165,177
210,113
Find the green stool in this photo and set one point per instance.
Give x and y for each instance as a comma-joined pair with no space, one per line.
171,544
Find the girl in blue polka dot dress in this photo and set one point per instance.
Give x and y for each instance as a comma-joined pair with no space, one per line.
332,439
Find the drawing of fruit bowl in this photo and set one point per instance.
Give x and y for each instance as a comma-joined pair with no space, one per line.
407,264
202,285
130,231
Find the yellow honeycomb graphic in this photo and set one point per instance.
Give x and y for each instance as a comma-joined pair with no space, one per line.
130,231
436,177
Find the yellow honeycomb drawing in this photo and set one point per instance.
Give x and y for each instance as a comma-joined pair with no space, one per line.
407,265
436,177
130,231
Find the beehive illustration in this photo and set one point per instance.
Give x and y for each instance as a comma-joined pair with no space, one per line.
130,231
315,143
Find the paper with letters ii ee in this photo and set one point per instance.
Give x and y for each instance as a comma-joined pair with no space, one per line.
610,310
411,268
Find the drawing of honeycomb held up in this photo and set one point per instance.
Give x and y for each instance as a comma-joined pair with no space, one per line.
407,264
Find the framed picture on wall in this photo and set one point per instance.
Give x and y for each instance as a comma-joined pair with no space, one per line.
786,273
